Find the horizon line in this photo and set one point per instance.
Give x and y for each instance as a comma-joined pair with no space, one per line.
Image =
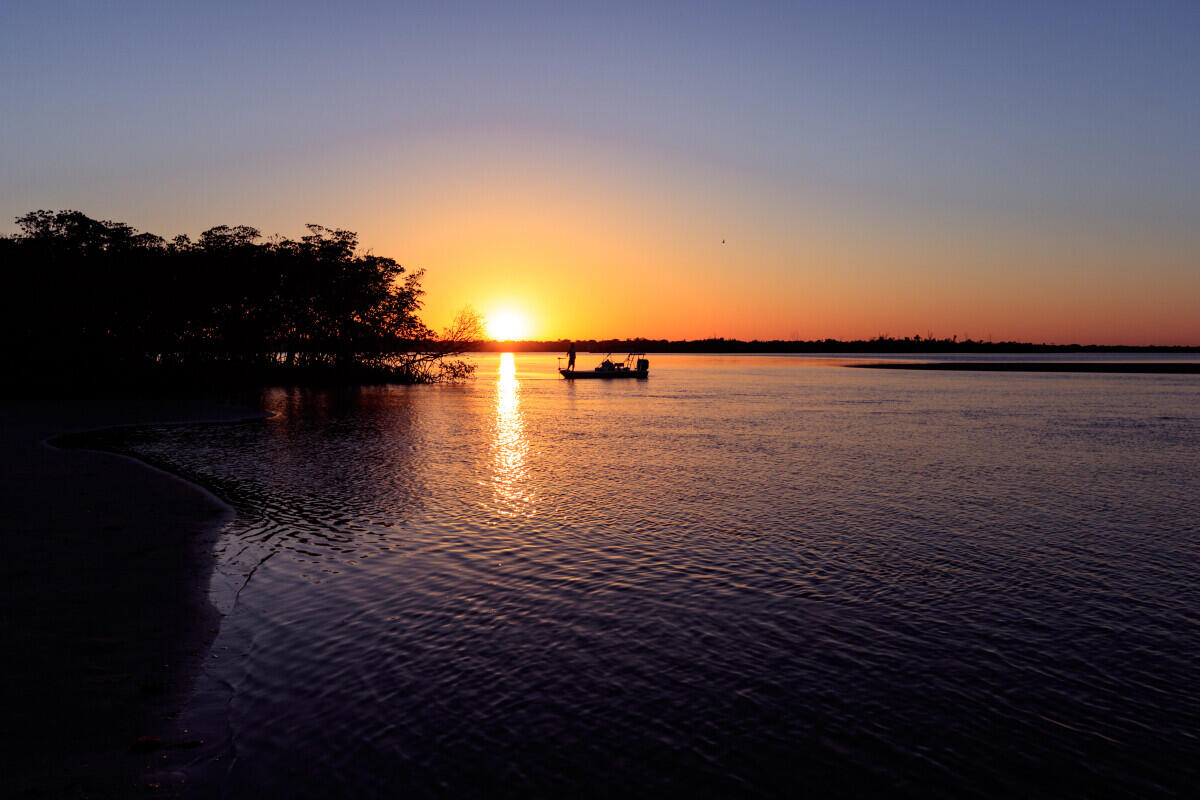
888,340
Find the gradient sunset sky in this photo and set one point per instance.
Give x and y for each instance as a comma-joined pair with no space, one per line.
1015,171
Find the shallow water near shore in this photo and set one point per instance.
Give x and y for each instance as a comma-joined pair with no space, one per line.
744,576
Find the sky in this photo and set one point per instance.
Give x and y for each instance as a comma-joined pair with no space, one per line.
1008,170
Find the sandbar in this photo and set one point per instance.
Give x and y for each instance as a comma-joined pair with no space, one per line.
1160,367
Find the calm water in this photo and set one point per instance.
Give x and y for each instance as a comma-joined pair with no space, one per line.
744,576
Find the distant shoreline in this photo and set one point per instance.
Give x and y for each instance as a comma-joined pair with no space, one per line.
1181,368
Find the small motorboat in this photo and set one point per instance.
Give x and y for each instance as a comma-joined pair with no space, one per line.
636,365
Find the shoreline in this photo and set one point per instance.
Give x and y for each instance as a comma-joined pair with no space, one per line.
107,613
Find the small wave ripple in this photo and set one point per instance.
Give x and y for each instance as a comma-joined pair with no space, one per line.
740,578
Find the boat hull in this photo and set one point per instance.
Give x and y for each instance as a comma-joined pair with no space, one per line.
603,374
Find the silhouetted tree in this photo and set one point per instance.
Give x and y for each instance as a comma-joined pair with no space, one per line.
85,291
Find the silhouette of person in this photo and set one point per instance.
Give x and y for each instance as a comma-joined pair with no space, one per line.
571,357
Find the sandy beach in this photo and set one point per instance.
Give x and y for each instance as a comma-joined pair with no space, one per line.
106,615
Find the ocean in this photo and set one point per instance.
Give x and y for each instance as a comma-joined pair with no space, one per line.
745,576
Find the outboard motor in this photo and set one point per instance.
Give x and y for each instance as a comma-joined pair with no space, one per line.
643,365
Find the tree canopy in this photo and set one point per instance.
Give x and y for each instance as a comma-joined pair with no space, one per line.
99,293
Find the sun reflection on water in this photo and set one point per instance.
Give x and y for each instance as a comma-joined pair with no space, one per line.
510,446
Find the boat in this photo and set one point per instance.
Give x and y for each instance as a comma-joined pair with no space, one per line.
636,365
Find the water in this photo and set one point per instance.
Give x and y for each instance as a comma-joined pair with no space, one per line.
744,576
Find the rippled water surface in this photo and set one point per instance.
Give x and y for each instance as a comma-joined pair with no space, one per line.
745,575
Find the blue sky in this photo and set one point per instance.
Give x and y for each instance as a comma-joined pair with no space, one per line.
1060,122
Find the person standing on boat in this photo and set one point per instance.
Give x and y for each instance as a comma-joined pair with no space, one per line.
571,357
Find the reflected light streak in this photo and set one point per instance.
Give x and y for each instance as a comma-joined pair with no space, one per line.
510,446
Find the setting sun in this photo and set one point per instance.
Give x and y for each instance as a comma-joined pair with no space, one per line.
507,326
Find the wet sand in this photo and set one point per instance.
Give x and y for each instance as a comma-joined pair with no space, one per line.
106,616
1168,367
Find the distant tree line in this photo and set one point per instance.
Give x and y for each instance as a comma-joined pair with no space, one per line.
98,296
880,344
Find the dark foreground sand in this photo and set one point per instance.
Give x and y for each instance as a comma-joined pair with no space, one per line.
106,620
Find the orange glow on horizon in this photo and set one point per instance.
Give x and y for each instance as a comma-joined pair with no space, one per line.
593,244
